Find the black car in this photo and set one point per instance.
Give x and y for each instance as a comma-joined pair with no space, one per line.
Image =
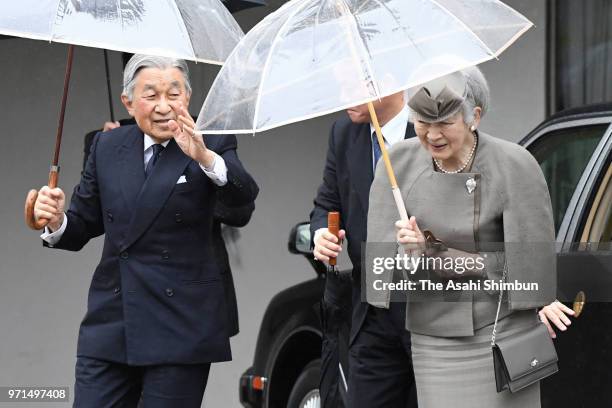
574,149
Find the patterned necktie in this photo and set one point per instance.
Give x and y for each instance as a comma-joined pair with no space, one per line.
157,150
376,149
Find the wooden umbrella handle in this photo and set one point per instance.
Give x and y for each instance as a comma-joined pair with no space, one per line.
333,226
28,211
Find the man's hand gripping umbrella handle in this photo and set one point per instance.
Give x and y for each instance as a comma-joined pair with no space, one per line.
333,226
28,212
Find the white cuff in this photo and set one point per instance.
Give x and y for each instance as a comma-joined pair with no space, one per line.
318,233
217,172
51,238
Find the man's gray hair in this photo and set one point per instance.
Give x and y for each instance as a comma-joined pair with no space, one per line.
140,61
477,93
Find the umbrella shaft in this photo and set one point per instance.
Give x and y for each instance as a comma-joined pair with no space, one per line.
108,87
60,124
397,195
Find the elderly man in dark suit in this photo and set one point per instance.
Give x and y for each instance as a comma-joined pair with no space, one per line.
156,315
380,367
226,219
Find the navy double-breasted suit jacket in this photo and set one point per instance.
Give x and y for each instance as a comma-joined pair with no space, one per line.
156,296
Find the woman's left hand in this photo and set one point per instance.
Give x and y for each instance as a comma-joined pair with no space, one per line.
556,313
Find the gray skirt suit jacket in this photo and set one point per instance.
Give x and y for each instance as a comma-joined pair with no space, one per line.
508,204
509,207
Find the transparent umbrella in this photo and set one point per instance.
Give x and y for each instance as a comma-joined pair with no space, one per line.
313,57
197,30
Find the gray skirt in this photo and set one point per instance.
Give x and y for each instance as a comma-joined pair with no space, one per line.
458,371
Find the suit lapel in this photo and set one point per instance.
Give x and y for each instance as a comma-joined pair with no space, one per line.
359,157
156,190
132,168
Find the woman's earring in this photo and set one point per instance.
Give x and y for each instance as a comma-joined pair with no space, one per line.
472,128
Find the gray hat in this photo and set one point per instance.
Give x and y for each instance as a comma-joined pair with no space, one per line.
439,99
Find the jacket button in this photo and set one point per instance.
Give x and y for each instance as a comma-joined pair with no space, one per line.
169,292
164,254
117,290
178,217
109,216
124,255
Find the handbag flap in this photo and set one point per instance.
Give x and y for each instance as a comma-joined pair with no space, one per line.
527,351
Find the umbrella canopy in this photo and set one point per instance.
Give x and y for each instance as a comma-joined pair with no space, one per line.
313,57
197,30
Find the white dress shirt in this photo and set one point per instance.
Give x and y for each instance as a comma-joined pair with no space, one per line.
217,173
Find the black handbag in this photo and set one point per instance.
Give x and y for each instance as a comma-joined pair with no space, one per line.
523,358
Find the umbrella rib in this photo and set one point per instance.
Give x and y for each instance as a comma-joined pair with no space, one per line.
120,13
52,23
368,56
314,29
267,63
514,38
385,7
447,11
182,20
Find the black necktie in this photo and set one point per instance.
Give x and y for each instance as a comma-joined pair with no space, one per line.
157,150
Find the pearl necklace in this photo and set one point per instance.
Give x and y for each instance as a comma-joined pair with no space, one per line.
460,169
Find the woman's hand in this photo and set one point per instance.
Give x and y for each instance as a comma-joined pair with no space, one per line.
409,235
556,313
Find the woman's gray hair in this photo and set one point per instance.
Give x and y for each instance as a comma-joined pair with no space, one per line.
477,94
140,61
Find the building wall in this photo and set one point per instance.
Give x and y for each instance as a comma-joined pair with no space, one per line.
43,292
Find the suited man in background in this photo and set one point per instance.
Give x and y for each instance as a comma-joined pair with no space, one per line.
156,315
380,365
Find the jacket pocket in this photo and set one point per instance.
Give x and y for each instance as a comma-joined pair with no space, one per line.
200,274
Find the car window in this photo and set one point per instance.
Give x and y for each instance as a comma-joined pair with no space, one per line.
598,226
563,155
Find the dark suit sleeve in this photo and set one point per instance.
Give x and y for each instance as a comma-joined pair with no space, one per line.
84,215
241,189
234,216
87,146
328,196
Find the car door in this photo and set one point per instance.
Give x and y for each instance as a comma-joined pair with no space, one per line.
575,158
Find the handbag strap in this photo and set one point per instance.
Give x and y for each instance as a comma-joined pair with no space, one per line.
501,295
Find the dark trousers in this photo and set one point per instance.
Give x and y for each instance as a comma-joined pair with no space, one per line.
335,324
103,384
380,361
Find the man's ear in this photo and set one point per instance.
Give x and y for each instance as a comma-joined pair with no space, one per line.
128,104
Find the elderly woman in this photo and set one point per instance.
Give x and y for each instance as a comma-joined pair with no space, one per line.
464,190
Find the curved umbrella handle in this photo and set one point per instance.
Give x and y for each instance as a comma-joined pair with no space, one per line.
28,211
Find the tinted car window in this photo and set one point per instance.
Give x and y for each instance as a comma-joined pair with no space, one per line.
600,216
563,155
